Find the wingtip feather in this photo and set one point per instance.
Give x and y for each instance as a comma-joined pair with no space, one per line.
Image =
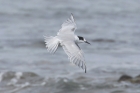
85,71
72,14
72,18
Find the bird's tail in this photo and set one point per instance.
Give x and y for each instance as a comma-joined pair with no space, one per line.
51,43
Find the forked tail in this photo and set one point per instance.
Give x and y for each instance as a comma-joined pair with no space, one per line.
51,43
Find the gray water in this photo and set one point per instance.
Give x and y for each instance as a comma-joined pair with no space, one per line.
111,26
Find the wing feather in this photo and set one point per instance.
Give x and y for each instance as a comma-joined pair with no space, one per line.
69,26
74,54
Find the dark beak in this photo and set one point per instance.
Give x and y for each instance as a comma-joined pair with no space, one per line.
87,42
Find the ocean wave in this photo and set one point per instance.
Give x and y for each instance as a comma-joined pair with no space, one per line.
15,82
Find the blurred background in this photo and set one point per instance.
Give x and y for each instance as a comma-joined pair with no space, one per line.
111,26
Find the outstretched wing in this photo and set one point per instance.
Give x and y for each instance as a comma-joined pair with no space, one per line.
68,26
75,54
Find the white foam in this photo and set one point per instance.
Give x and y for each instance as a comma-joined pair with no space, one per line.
15,79
18,75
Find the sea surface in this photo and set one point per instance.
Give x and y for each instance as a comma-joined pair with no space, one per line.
111,26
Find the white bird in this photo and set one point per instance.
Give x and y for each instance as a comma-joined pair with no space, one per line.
69,42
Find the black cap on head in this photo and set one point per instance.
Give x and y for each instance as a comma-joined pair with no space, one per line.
80,38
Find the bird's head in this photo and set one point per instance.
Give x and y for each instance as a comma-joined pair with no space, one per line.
82,40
